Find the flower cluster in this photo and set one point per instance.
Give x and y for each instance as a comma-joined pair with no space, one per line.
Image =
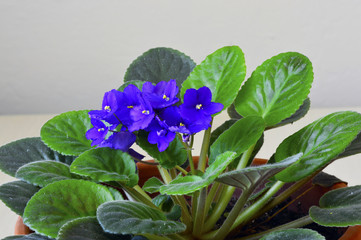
153,109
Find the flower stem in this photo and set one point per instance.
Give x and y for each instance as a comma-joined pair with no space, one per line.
189,154
200,213
182,170
211,196
204,150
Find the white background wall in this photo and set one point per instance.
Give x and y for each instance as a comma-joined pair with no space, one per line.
57,56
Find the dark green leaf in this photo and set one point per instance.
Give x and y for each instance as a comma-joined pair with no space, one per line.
325,180
106,165
16,154
232,113
59,202
32,236
353,148
339,208
137,83
277,88
294,234
16,195
222,71
192,183
320,142
65,133
174,155
239,137
42,173
160,64
125,217
251,177
175,213
87,228
152,185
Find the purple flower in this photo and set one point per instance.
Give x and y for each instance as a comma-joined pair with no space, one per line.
159,134
162,95
122,140
98,133
197,106
111,102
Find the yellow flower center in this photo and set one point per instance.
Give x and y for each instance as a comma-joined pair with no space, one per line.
181,124
199,106
130,107
107,108
145,112
165,97
100,129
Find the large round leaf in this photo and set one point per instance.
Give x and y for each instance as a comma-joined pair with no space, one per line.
160,64
106,165
125,217
294,234
320,142
16,154
32,236
64,201
222,71
65,133
277,88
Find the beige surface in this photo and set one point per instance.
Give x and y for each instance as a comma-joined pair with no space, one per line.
21,126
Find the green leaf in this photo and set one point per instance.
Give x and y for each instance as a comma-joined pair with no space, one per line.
116,194
16,195
326,180
239,137
174,155
106,165
42,173
218,131
63,201
160,64
152,185
251,177
232,113
192,183
320,142
65,133
353,148
339,208
137,83
294,234
125,217
222,71
32,236
277,88
16,154
300,113
87,228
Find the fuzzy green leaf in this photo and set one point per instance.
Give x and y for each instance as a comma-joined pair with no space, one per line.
59,202
160,64
16,154
192,183
42,173
277,88
125,217
222,71
65,133
239,137
106,165
294,234
137,83
174,155
87,228
339,208
152,185
320,142
16,195
32,236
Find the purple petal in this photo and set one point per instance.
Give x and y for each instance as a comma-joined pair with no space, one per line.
190,97
204,95
213,108
122,140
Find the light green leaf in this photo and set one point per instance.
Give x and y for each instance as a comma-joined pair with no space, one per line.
42,173
16,195
87,228
294,234
320,142
277,88
106,165
152,185
339,208
353,148
125,217
174,155
160,64
65,133
239,137
54,205
16,154
192,183
222,71
32,236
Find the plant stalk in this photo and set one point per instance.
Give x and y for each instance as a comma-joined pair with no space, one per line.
200,213
204,150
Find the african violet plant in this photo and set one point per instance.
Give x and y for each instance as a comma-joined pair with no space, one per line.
80,181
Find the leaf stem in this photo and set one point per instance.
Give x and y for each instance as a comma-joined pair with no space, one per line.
205,147
139,196
182,170
211,196
200,213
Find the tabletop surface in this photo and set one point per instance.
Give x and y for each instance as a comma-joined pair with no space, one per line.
15,127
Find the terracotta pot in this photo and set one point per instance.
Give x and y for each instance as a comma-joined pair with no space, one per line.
148,171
